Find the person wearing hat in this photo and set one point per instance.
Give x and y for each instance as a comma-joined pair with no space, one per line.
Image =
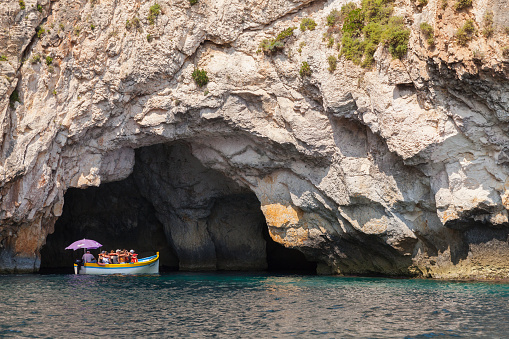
88,257
134,256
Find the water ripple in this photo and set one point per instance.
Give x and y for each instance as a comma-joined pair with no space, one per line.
249,305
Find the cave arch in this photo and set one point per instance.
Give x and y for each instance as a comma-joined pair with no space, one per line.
196,217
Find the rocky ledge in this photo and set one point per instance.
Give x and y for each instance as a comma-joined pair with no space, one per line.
371,151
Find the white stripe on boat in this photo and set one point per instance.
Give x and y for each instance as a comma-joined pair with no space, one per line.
149,265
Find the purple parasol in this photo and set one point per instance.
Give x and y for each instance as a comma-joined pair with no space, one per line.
83,243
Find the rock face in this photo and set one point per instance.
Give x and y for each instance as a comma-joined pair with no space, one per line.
400,169
211,222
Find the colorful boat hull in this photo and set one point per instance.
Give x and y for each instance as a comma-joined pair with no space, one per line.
149,265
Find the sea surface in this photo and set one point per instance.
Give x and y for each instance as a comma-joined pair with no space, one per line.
240,305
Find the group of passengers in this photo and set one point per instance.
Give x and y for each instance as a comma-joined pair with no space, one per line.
113,257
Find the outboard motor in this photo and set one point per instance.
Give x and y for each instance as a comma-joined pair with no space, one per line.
79,262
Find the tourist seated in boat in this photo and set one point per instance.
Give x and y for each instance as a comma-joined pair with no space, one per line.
114,256
104,258
127,256
88,258
122,257
134,256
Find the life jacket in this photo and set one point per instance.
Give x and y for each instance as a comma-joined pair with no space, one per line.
134,258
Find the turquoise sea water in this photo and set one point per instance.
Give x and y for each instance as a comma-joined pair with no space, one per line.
199,305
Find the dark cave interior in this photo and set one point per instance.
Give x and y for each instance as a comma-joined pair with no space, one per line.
196,218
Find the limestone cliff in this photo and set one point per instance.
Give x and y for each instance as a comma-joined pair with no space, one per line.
397,168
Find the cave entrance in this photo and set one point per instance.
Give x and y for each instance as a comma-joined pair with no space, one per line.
196,217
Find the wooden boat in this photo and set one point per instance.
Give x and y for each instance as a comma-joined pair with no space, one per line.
149,265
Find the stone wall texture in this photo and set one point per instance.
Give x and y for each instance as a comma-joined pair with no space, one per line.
400,169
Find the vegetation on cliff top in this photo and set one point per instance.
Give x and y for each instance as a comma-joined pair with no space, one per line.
366,27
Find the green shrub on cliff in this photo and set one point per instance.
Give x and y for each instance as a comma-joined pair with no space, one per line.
332,60
307,23
336,18
285,33
200,77
428,32
269,46
330,42
354,22
353,48
154,11
3,57
345,9
488,24
366,27
377,10
40,31
35,59
22,4
302,44
49,60
461,4
465,33
333,17
193,2
134,23
13,98
305,70
396,37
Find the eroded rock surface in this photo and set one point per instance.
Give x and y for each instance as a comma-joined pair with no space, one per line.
400,169
210,221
